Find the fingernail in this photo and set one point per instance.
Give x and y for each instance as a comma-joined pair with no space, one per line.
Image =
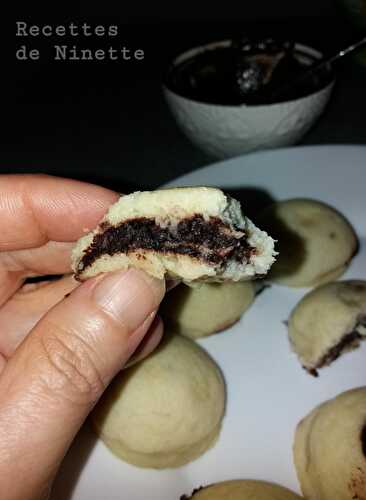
129,296
138,335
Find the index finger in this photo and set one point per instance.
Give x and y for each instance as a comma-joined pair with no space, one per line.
35,209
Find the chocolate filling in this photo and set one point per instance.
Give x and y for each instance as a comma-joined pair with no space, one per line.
196,490
211,241
347,340
336,351
363,440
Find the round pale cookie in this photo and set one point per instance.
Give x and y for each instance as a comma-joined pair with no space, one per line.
330,449
327,322
242,490
166,410
315,242
207,309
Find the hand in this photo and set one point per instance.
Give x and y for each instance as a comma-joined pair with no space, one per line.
57,353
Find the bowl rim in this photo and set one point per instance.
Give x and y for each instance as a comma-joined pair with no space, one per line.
199,49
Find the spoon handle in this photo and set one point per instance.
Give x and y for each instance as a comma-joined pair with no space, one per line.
321,64
358,45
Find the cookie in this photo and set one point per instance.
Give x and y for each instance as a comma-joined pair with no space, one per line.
315,242
242,490
166,410
207,309
191,234
327,322
330,449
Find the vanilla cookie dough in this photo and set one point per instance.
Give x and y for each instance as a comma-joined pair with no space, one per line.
315,242
166,410
242,490
189,234
330,449
206,309
327,322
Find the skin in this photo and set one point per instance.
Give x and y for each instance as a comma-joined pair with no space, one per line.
57,353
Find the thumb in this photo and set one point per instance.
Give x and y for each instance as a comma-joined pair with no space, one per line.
61,369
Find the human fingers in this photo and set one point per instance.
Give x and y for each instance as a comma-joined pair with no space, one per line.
61,369
41,217
26,307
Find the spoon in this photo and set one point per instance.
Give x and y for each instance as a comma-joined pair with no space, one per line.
322,64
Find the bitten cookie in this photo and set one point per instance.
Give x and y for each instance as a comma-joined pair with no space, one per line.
330,449
166,410
327,322
207,309
242,490
192,234
315,242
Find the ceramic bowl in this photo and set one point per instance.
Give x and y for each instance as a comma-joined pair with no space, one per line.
224,131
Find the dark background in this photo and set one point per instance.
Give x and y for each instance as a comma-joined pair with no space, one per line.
107,121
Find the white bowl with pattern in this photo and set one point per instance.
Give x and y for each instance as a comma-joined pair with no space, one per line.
224,131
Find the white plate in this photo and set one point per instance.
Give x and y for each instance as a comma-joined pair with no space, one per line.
268,392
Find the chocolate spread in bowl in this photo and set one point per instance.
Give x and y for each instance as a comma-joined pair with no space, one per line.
211,241
246,72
